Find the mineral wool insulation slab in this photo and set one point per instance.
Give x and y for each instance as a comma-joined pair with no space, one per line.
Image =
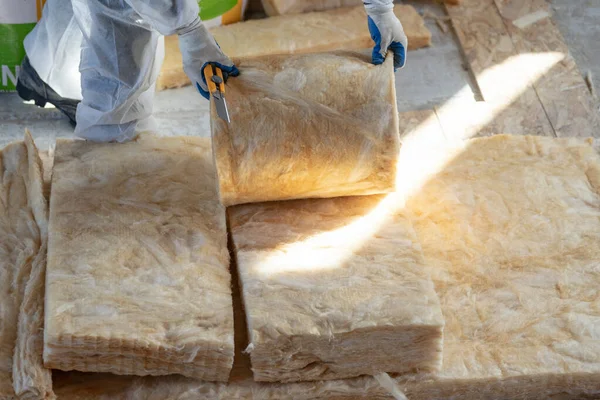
343,29
511,229
328,293
307,126
138,278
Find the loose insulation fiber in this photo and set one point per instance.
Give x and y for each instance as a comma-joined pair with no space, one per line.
23,234
343,29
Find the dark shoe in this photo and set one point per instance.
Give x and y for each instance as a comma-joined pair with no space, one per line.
31,87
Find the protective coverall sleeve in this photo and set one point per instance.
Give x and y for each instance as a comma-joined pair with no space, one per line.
168,17
198,47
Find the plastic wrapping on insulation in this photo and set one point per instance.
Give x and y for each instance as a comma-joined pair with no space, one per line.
307,126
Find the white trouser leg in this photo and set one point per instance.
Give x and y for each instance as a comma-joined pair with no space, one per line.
121,57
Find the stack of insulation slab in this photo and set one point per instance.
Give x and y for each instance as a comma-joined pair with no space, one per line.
498,250
509,231
138,280
340,303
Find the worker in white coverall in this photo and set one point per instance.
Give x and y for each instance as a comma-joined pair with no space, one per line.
98,60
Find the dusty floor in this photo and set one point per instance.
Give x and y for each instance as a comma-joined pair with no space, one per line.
432,76
579,23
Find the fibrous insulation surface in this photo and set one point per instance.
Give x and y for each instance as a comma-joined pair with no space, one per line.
138,277
351,299
305,126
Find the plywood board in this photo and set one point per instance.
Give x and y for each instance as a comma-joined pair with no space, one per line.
465,118
138,277
484,40
290,140
352,299
423,124
342,29
562,90
511,227
23,228
504,79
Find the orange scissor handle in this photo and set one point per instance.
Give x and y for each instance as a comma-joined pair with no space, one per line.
214,79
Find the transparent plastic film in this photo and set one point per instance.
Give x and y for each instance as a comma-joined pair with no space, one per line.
307,126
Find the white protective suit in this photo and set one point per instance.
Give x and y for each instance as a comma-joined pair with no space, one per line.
108,53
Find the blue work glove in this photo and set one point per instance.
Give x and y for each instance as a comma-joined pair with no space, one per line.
198,49
227,71
388,34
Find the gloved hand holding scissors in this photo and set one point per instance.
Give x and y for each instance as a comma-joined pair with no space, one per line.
199,48
386,31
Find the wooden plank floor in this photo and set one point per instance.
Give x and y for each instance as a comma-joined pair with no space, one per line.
529,82
563,92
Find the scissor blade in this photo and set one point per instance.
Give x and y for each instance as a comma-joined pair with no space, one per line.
221,106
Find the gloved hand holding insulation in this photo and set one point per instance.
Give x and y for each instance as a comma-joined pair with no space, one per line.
307,126
387,32
199,48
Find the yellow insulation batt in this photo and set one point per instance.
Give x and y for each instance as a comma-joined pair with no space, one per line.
23,233
138,269
510,231
304,126
281,7
343,29
352,299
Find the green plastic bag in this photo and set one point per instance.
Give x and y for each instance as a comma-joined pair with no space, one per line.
17,19
210,9
221,12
